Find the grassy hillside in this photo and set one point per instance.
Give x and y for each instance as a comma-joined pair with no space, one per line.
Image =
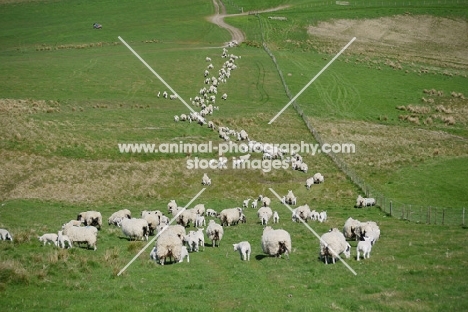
70,94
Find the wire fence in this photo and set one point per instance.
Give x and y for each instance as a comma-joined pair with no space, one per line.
414,213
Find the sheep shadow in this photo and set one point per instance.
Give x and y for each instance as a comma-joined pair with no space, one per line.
261,257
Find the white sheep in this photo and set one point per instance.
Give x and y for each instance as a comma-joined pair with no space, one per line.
168,245
211,213
318,178
290,198
48,238
90,218
224,96
171,205
242,136
176,118
173,97
82,234
350,227
199,209
322,216
332,244
264,214
369,229
276,242
314,215
214,232
208,59
364,246
165,94
5,235
63,240
187,217
310,182
230,216
303,167
275,217
153,220
206,180
195,239
176,229
245,203
302,212
254,204
244,250
184,254
135,229
266,201
119,215
200,221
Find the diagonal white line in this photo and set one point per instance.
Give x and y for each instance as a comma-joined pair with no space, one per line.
313,79
316,235
156,74
160,232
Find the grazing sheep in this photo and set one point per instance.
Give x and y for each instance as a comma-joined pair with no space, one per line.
244,250
290,198
90,218
242,136
310,182
230,216
173,97
5,235
266,201
224,96
350,227
82,234
208,59
171,205
74,223
211,213
264,214
206,180
153,221
176,229
195,239
318,178
119,215
276,242
332,244
364,246
303,167
135,229
63,240
275,217
187,217
369,229
199,209
48,238
165,94
214,232
168,246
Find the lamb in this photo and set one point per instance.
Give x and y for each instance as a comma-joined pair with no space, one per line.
135,229
165,94
275,217
244,250
82,234
62,239
314,215
322,216
119,215
200,221
208,59
242,136
276,242
332,244
169,246
224,96
211,213
5,235
48,238
350,227
245,203
303,167
206,180
254,204
364,246
290,198
195,239
184,254
176,118
264,214
214,232
173,96
230,216
310,182
90,218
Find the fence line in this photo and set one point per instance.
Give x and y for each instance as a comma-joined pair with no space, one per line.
413,213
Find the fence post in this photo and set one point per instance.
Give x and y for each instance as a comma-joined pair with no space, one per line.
463,218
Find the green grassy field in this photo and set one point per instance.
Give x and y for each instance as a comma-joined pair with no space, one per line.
70,94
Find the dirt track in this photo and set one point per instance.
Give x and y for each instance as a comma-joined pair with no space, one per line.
220,13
